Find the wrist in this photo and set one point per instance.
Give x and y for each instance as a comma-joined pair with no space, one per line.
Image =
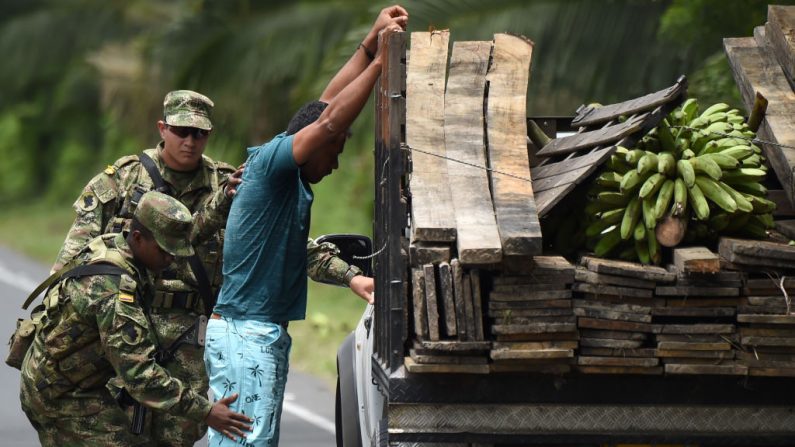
351,273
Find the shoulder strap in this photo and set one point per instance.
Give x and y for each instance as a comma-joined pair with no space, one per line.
195,263
70,271
154,173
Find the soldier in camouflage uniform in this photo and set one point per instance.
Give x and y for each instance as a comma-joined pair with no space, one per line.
206,188
95,330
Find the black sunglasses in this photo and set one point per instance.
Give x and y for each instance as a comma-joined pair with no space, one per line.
184,132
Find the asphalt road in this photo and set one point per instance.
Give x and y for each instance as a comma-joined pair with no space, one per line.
307,418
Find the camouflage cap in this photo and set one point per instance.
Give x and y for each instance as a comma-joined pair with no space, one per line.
186,108
168,220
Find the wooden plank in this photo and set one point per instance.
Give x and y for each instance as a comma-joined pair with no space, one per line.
590,139
780,33
511,354
697,329
477,238
771,372
456,346
521,313
469,311
431,302
531,296
696,291
522,289
514,366
587,276
617,361
601,289
653,371
448,302
589,116
705,302
757,249
545,337
623,268
702,338
610,343
447,359
534,346
418,299
426,253
768,341
709,312
757,71
477,304
786,227
611,315
414,367
433,218
696,260
612,352
497,305
458,297
538,328
753,284
693,354
614,307
766,332
695,346
552,170
514,205
547,198
732,370
766,319
616,335
595,323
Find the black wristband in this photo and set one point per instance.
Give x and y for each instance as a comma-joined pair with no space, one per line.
366,51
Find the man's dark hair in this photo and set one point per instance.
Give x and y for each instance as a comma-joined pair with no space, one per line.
136,225
306,115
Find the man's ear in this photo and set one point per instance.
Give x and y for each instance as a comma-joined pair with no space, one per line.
161,128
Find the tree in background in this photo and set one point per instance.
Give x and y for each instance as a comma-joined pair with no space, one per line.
83,80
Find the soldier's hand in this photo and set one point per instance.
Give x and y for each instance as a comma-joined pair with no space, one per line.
364,287
234,181
226,421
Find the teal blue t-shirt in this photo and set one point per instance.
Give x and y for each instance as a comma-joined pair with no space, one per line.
265,244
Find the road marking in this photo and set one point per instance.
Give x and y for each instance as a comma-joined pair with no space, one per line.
308,416
17,280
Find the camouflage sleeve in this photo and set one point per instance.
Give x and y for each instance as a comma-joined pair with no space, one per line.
211,215
129,347
94,207
324,264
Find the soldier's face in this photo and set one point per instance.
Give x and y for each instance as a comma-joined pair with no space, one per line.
183,147
148,253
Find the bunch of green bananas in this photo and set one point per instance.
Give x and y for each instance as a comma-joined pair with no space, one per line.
701,168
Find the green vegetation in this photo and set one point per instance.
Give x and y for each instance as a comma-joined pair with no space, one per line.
82,83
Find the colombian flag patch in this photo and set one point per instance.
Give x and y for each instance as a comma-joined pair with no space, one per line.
126,297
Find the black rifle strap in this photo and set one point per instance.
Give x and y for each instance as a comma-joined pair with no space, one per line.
69,271
196,266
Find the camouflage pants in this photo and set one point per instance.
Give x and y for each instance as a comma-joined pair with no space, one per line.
109,427
188,366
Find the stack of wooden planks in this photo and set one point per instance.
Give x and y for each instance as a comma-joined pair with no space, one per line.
767,326
448,320
613,304
532,322
765,64
466,133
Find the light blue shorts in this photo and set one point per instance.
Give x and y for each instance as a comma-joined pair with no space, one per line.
250,358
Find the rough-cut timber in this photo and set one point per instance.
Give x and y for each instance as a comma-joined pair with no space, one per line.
514,204
477,237
756,70
431,302
696,260
780,32
433,218
590,116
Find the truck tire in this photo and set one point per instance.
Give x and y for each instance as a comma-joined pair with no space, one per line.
346,415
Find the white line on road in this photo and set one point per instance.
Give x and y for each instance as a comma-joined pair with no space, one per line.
16,279
308,416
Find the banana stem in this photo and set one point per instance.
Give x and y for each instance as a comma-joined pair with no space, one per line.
757,112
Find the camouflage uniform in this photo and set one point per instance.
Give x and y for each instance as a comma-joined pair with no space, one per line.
105,206
94,330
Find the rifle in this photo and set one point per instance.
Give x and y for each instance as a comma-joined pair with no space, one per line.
194,335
